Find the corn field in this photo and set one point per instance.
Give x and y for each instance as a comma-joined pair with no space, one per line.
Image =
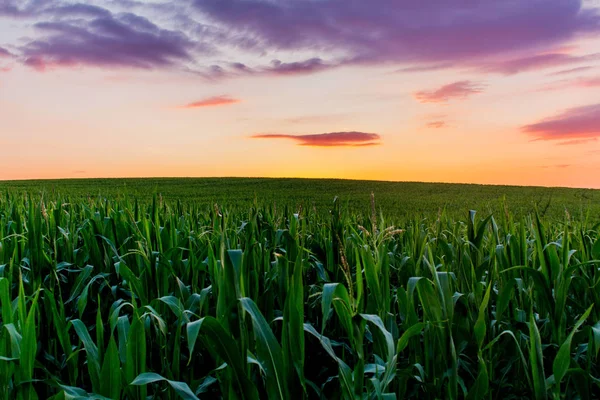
119,299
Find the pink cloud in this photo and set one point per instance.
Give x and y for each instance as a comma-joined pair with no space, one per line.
572,70
574,124
456,90
536,62
589,82
212,102
583,82
333,139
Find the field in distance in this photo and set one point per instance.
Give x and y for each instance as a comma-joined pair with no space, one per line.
396,200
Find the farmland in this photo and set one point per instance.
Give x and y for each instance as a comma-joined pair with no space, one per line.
398,201
268,288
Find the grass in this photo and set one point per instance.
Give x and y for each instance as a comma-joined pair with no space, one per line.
139,295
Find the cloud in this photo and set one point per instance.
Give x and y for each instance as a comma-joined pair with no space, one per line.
436,124
105,40
426,67
78,10
574,124
5,53
536,62
577,141
456,90
384,31
583,83
212,102
333,139
589,82
275,68
308,35
560,166
572,70
296,68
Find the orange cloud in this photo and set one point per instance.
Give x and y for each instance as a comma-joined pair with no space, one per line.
214,101
456,90
333,139
436,124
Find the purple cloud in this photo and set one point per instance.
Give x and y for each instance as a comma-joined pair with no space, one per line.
105,40
296,68
456,90
275,68
5,53
574,124
424,35
23,8
333,139
78,10
427,31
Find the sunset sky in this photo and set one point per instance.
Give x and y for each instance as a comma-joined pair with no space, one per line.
480,91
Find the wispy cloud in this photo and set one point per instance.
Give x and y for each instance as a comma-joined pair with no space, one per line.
588,82
436,124
560,166
576,124
5,53
536,62
577,141
296,68
456,90
582,83
214,101
333,139
274,68
571,71
426,67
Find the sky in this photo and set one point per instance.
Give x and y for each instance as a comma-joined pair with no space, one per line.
476,91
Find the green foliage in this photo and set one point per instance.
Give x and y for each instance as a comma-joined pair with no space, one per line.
132,295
